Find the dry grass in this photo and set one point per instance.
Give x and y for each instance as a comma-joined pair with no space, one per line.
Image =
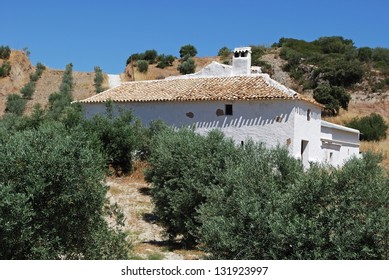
132,194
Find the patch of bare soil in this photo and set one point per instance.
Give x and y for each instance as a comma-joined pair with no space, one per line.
132,194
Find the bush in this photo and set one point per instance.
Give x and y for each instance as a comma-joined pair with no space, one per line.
334,44
256,203
5,69
15,104
165,61
187,67
183,166
142,65
117,136
28,90
5,52
150,56
372,127
365,54
188,51
269,208
224,52
341,72
52,198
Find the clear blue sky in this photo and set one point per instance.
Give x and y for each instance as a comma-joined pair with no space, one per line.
104,33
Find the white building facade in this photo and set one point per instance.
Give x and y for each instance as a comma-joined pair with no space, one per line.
242,105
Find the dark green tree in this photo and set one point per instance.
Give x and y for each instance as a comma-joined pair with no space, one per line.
372,127
188,51
332,97
150,56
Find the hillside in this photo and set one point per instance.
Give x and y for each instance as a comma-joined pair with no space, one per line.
366,96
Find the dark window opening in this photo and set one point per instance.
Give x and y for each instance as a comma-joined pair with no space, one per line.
309,115
228,110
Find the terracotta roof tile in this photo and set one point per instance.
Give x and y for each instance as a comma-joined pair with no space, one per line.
196,89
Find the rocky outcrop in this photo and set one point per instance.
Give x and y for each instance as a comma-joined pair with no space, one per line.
21,69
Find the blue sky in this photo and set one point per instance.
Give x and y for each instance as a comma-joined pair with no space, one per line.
104,33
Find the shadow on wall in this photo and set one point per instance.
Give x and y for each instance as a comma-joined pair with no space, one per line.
241,122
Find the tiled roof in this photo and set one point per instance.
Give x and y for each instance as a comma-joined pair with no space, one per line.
197,89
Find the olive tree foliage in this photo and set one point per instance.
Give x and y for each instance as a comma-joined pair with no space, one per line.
183,165
187,67
52,197
118,133
250,202
270,210
15,104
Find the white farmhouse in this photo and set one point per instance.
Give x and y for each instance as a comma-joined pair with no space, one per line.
241,102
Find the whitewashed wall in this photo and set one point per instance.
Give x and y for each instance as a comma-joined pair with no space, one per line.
339,143
271,122
278,122
307,128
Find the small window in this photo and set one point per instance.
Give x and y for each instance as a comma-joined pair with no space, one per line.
228,110
308,114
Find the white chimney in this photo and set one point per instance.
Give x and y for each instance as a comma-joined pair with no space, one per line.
241,62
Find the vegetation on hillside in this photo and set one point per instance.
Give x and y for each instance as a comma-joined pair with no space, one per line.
143,60
5,68
333,65
15,104
98,80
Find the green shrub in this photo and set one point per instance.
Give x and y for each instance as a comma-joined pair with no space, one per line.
142,65
15,104
224,52
365,54
187,67
38,72
58,101
183,166
150,56
28,90
117,136
332,97
5,52
341,72
188,51
165,61
269,208
52,198
334,44
5,69
372,127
